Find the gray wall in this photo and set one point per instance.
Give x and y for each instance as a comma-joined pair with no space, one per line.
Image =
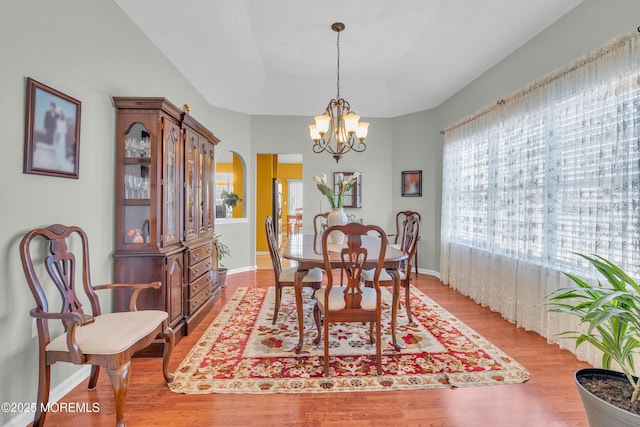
91,51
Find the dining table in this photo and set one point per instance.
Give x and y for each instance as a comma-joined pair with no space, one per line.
306,251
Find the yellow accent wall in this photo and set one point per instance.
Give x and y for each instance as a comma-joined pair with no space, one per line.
266,170
238,185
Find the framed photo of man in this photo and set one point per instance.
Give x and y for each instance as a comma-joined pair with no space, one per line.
52,132
411,183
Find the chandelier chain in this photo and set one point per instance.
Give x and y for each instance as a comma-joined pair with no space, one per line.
338,68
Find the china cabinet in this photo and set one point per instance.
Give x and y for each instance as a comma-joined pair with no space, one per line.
201,276
165,213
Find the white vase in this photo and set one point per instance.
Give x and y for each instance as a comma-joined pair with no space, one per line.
337,216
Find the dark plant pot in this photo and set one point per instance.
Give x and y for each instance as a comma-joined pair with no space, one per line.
599,412
222,276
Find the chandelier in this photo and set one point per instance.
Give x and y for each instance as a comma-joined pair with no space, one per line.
338,130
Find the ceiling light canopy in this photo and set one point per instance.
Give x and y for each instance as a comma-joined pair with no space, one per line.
338,130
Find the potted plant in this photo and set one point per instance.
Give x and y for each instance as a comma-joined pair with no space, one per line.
223,251
610,312
230,199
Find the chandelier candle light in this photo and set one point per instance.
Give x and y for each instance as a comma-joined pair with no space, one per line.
338,129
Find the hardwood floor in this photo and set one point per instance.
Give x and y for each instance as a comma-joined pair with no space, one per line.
549,398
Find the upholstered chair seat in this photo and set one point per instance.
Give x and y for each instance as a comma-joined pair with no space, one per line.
106,334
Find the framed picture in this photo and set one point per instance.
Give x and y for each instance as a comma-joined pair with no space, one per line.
52,132
411,183
353,197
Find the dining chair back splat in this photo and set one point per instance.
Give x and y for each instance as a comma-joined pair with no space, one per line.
286,276
96,339
319,225
410,233
353,302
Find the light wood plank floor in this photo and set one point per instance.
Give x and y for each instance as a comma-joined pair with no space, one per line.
549,398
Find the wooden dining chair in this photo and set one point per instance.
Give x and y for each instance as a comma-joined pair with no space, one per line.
108,340
398,236
353,302
320,223
409,245
286,276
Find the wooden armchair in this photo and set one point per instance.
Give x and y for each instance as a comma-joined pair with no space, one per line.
107,340
409,245
286,276
353,302
398,237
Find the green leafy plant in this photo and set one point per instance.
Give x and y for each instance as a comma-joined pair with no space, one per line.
611,312
230,199
223,252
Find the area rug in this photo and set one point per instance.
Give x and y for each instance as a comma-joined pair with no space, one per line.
242,352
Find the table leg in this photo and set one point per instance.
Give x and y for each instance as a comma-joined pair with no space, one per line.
394,307
298,294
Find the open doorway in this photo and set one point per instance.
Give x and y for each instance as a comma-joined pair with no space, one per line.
279,195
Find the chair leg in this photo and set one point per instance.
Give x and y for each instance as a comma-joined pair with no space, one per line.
372,340
316,317
44,382
93,378
277,305
120,381
326,346
407,301
378,347
169,338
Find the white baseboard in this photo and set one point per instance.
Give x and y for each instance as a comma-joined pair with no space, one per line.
429,272
241,270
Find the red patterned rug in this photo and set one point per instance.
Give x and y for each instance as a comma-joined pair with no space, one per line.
242,352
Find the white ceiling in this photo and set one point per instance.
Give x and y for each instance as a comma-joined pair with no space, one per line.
279,57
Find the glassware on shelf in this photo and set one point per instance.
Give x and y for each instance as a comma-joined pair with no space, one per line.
137,147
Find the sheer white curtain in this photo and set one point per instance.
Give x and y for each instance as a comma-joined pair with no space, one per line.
552,170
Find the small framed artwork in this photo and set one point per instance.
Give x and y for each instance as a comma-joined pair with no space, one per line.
411,183
52,132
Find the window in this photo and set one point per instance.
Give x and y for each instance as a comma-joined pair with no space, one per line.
543,182
552,171
295,195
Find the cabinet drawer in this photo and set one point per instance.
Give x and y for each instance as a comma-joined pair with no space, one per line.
203,296
199,254
199,269
200,284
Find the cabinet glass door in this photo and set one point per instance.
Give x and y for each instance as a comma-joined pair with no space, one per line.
210,187
202,212
136,193
171,178
190,178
